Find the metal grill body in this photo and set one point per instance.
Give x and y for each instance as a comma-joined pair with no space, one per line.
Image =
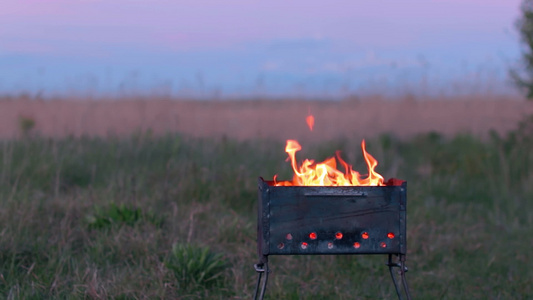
305,220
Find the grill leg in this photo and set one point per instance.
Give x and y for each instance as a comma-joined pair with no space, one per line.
403,270
260,268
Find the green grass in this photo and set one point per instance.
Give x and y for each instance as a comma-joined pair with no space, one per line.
103,218
195,267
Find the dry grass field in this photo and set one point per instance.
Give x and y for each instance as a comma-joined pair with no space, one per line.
273,119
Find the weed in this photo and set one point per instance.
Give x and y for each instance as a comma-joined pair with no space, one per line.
196,267
26,124
117,215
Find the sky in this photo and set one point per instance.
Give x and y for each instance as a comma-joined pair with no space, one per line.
237,48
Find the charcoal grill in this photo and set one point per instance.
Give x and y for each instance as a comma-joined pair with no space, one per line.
335,220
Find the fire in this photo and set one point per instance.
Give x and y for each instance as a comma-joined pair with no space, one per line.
326,173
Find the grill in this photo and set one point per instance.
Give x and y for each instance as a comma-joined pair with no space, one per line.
334,220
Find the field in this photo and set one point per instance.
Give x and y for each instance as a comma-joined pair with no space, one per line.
271,119
143,214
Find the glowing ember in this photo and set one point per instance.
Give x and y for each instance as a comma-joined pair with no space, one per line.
310,121
326,172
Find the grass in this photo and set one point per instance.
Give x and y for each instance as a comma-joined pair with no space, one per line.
121,218
195,267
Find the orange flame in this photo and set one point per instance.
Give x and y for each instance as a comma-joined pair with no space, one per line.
310,121
326,172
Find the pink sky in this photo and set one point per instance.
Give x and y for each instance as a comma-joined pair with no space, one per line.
410,28
184,25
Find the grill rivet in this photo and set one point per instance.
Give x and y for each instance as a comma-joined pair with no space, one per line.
312,235
338,235
390,235
356,245
304,245
365,235
288,236
330,245
383,245
281,245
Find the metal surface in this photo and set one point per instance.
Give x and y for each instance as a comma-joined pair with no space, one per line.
304,220
403,289
261,268
331,220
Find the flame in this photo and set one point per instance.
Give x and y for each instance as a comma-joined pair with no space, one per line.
326,172
310,121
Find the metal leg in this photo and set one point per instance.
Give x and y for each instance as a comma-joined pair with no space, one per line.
260,268
391,265
403,270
